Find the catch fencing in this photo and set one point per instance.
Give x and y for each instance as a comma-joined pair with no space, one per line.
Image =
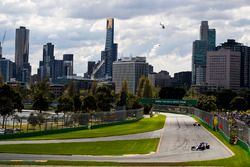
214,120
50,121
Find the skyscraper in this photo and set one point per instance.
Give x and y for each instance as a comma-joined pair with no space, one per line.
46,68
68,64
199,62
129,70
1,53
109,55
244,59
23,68
206,43
223,69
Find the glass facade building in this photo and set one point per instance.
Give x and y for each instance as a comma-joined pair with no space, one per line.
206,43
199,62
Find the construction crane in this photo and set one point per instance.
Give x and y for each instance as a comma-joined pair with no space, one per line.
4,35
1,44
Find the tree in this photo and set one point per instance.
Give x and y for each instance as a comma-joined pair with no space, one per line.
207,103
93,88
33,120
1,80
71,90
140,86
77,103
104,98
238,103
172,93
40,103
192,94
147,93
246,94
41,95
65,104
147,89
36,119
89,103
133,102
123,94
9,101
224,98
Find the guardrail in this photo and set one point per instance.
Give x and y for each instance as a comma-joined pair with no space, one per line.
222,124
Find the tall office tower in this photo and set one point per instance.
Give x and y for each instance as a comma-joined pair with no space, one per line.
223,69
23,68
199,62
109,55
204,30
206,43
244,59
68,64
130,70
46,66
1,53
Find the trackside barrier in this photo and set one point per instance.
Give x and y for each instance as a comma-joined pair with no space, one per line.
222,124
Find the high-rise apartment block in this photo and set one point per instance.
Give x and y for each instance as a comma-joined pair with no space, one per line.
206,43
23,68
223,69
129,70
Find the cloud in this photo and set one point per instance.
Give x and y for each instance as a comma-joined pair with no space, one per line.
78,27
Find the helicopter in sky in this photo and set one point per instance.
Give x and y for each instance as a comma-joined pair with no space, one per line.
162,25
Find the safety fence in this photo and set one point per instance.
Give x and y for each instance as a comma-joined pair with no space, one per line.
216,121
49,121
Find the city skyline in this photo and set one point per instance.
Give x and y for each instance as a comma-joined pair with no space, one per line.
78,27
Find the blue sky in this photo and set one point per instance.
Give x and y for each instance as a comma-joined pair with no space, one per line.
78,27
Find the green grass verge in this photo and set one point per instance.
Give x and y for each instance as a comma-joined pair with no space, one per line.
61,163
122,147
143,125
240,159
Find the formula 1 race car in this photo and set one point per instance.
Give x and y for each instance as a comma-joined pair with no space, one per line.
201,147
196,124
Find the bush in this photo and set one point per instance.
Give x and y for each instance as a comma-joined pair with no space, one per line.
147,109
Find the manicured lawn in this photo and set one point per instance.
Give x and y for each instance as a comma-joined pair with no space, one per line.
87,148
143,125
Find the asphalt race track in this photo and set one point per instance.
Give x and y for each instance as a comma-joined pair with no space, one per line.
177,137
